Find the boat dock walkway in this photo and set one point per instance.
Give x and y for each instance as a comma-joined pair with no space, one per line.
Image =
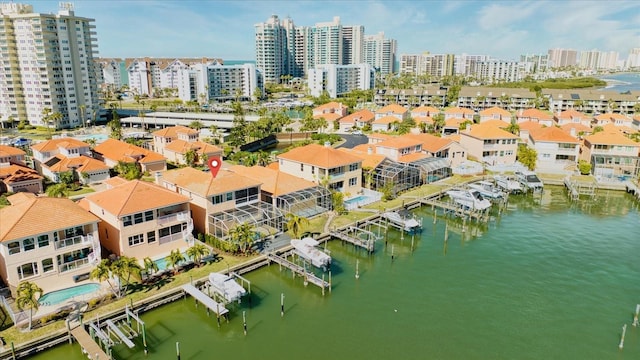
92,348
578,188
118,333
456,209
297,269
632,189
351,234
211,304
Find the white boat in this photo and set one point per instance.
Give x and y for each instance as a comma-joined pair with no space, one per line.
488,190
471,199
226,286
403,218
530,179
509,185
307,249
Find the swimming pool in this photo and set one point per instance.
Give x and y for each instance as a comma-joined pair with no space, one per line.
355,200
60,296
360,200
162,262
99,138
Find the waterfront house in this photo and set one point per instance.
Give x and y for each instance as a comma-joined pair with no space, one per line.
572,117
490,144
48,241
557,151
535,115
65,147
357,120
495,113
11,154
398,147
223,202
424,111
113,151
324,165
141,219
19,178
612,155
442,148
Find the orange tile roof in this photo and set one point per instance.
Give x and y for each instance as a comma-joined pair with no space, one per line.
204,184
134,197
389,119
273,181
328,106
321,156
425,109
412,157
431,143
570,114
173,131
458,110
535,114
369,161
54,144
363,148
552,134
454,137
621,128
423,119
496,123
274,166
6,150
115,181
578,127
611,116
200,147
454,122
392,108
363,115
379,136
610,138
399,142
330,117
488,131
529,125
29,215
121,151
15,173
80,163
495,110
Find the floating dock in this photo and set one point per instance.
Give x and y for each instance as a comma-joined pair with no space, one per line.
218,308
90,347
457,209
297,269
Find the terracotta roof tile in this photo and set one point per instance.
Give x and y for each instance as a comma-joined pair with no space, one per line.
273,181
134,197
431,143
369,161
6,150
489,131
392,108
53,144
552,134
81,163
363,115
321,156
570,114
494,110
203,184
173,131
610,138
425,109
389,119
182,146
121,151
458,110
30,215
15,173
529,125
330,117
535,114
399,142
409,158
329,106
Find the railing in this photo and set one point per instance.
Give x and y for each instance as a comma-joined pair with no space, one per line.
173,237
73,264
80,239
180,216
336,176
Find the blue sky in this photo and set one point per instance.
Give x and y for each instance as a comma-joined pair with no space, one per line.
224,28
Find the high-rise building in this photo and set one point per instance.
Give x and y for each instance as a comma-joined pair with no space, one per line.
562,57
380,53
271,49
204,82
352,44
338,80
48,62
534,63
434,65
633,60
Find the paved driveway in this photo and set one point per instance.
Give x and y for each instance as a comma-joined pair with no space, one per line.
353,140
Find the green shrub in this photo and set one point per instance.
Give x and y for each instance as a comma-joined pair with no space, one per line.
584,167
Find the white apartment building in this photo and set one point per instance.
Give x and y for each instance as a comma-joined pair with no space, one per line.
338,80
352,44
271,45
140,80
633,60
380,53
48,63
113,73
215,81
497,71
562,57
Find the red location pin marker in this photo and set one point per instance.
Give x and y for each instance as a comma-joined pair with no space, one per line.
214,165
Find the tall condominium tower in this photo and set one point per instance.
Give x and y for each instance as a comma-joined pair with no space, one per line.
562,58
352,44
48,64
380,53
271,49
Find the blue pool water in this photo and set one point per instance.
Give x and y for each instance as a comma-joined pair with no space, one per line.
60,296
356,199
162,262
99,138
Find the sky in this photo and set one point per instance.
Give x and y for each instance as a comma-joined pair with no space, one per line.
225,28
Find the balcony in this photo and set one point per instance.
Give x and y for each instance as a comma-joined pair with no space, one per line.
80,239
72,265
173,237
175,217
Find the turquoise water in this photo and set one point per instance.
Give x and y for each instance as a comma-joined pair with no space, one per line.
546,279
99,138
162,262
60,296
355,199
623,82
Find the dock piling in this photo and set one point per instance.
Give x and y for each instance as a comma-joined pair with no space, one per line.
178,350
281,304
358,276
244,322
624,330
635,316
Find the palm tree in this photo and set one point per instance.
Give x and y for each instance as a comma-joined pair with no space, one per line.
196,124
102,272
58,190
197,252
242,236
124,267
174,259
296,223
190,157
150,266
28,295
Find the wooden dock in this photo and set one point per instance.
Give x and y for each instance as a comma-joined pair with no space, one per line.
92,348
216,307
297,269
368,244
457,209
576,188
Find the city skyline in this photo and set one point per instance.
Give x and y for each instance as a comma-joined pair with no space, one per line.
225,29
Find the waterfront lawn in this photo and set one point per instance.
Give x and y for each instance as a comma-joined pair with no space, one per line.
137,292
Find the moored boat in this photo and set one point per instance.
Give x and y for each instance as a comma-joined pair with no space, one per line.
470,199
307,249
488,190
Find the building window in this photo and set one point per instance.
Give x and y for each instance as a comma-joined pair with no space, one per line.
28,244
136,240
47,265
151,237
353,181
14,247
301,167
27,270
353,167
148,215
43,240
126,220
137,218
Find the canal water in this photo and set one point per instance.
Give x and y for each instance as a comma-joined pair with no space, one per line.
546,279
